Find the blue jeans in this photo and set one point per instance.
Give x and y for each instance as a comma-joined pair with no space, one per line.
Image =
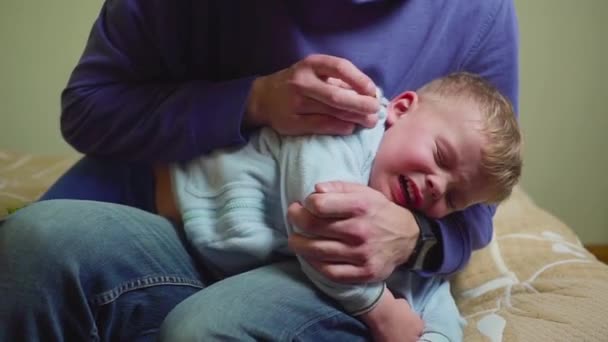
81,270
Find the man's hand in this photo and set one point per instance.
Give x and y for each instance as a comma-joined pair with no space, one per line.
320,94
354,233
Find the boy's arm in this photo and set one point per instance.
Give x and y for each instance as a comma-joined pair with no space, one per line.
431,299
442,320
307,160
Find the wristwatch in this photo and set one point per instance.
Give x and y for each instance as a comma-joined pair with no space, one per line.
428,252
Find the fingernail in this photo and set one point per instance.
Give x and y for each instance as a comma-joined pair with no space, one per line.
378,93
372,120
371,89
321,187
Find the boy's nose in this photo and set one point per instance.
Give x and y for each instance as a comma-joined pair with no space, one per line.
435,187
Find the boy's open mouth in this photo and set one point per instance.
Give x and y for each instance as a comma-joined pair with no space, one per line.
409,192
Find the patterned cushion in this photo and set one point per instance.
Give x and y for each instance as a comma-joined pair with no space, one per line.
24,177
534,282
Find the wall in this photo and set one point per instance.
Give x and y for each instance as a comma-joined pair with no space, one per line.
564,63
41,42
564,72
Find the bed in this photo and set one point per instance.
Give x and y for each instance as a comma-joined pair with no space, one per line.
534,282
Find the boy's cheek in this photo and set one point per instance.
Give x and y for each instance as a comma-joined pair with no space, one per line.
437,211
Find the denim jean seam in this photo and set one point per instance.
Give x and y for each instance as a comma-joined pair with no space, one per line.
330,314
111,295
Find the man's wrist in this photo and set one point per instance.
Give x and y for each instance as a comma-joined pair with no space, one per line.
252,117
427,254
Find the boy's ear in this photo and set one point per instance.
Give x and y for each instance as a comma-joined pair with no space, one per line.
400,105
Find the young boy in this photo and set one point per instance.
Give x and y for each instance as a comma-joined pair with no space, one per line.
451,144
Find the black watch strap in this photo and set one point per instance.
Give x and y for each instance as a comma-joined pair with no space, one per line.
428,252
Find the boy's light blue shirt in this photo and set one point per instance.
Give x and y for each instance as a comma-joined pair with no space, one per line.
234,203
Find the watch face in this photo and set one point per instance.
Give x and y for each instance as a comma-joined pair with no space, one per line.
433,256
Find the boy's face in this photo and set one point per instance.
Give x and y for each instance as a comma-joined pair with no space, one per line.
430,156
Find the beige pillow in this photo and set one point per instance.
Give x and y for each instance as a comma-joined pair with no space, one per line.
534,282
24,177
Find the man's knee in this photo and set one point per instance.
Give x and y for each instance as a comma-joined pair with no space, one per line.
50,234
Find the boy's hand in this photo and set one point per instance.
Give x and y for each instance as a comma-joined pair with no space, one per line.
320,94
393,320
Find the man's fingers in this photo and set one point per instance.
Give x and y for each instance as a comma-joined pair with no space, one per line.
328,251
340,187
365,120
343,273
336,204
311,224
323,124
338,82
344,99
355,93
340,68
311,106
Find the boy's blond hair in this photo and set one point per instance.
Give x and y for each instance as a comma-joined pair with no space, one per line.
501,154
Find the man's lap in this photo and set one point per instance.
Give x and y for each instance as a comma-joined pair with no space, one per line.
70,269
129,268
272,303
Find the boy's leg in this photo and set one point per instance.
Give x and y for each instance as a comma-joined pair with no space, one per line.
82,270
272,303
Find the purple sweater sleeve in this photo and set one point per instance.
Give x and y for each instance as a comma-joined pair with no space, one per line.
131,96
494,57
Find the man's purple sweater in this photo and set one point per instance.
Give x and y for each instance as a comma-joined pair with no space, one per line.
164,81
